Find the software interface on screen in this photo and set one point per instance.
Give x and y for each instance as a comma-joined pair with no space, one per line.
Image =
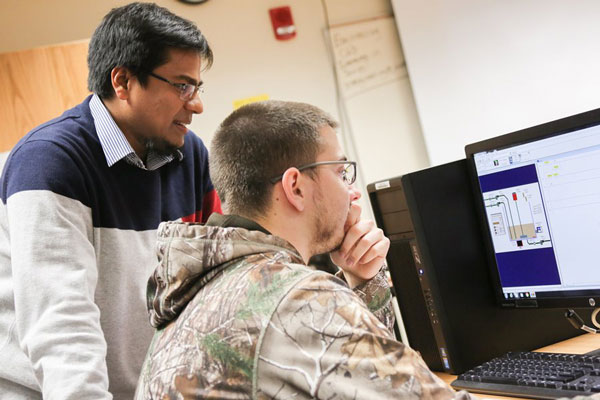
542,202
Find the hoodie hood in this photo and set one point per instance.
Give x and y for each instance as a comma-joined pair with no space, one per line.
190,255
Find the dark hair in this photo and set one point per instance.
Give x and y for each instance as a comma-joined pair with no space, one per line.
258,142
138,36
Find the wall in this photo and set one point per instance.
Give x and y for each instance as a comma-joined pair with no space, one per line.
481,68
26,24
248,60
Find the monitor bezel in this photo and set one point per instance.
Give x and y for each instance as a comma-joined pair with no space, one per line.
546,130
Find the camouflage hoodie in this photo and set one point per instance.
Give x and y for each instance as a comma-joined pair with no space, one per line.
239,316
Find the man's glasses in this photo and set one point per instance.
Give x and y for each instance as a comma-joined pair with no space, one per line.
348,173
187,91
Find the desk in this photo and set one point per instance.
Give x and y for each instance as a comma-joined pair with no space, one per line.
577,345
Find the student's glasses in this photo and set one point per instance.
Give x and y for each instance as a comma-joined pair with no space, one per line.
348,173
187,91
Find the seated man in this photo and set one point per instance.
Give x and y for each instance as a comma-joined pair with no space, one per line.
239,314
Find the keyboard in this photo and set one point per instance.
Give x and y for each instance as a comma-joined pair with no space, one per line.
534,375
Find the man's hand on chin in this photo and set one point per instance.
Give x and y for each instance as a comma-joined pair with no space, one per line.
363,249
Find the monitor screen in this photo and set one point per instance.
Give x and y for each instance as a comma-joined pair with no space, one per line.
538,193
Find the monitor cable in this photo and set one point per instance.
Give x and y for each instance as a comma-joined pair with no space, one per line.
577,322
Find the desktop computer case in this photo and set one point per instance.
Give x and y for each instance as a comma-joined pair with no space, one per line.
441,277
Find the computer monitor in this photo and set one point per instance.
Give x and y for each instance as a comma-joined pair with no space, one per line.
538,195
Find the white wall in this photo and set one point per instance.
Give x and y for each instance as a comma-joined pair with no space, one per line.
248,59
481,68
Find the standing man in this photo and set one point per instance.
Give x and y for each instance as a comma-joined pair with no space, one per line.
82,197
240,315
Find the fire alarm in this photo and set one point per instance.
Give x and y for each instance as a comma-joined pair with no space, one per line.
283,24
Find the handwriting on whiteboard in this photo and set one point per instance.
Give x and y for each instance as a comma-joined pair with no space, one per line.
367,55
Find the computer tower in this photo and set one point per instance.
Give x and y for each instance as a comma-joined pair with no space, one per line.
441,277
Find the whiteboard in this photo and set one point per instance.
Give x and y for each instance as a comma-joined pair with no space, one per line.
368,55
381,125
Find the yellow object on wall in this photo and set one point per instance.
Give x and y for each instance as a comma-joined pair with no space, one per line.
242,102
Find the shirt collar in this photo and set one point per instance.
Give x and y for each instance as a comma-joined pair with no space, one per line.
115,145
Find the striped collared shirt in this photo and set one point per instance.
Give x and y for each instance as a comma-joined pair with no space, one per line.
115,145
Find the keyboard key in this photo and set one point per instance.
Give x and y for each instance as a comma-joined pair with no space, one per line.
567,376
499,379
557,378
582,387
570,386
